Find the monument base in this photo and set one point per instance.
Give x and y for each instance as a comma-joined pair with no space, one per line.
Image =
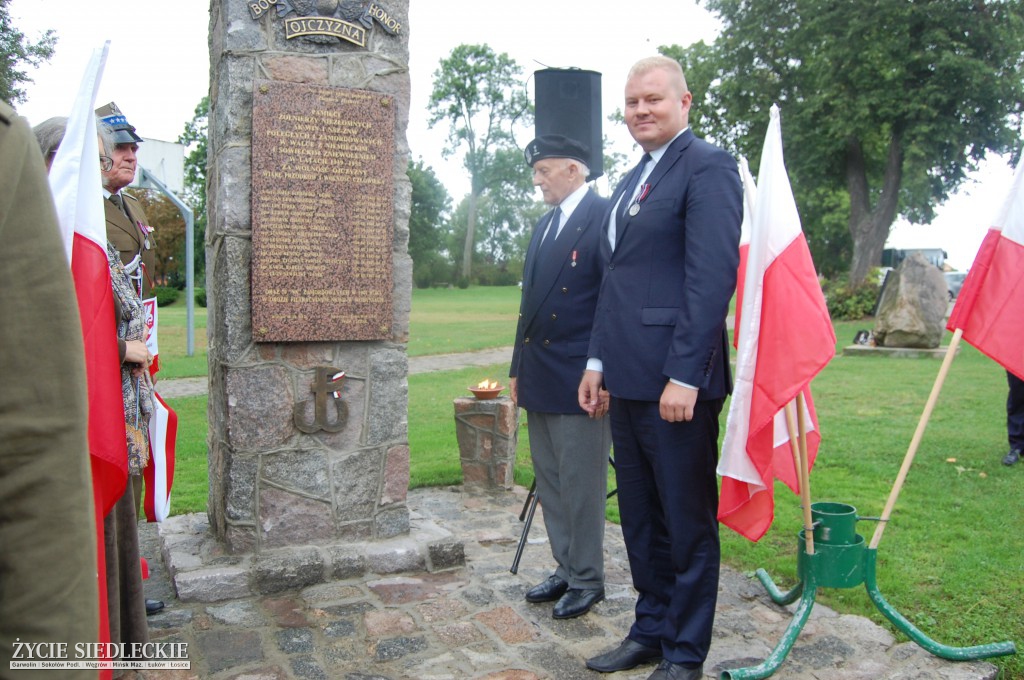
896,352
202,570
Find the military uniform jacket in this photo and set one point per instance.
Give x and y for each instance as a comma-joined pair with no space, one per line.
557,310
129,235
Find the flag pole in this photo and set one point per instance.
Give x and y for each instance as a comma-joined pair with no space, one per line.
916,440
798,445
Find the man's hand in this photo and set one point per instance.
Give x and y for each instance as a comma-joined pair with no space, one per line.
589,393
513,391
677,402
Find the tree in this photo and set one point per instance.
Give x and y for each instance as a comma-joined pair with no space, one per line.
15,51
480,95
430,205
195,137
169,231
886,106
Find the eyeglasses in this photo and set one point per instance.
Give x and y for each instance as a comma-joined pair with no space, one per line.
106,163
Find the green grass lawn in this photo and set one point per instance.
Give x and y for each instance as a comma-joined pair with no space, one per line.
951,559
174,361
445,320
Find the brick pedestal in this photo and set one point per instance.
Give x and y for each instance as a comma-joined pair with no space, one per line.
487,434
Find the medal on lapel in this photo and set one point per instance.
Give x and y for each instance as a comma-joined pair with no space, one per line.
635,208
573,259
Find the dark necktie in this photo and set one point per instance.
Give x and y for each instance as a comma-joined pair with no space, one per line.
548,239
119,202
627,198
552,233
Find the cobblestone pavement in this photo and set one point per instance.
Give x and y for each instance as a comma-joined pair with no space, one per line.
472,621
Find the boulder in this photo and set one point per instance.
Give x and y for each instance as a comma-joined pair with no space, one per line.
912,311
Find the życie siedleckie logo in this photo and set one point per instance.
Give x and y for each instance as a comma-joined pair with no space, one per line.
348,20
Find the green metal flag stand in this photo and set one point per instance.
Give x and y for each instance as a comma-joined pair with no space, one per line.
842,560
833,555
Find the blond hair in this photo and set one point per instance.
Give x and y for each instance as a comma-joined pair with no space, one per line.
671,66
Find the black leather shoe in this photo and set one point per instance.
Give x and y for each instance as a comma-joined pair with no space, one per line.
548,591
1012,457
577,602
153,606
629,654
675,671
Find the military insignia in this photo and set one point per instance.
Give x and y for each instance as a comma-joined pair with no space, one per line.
322,21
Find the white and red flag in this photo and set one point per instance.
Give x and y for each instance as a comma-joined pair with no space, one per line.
785,339
749,199
163,432
990,307
77,192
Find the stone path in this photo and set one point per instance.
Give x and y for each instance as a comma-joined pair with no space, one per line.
173,388
472,621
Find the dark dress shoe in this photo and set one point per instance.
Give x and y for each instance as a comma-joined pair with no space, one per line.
676,671
548,591
153,606
629,654
1012,457
577,602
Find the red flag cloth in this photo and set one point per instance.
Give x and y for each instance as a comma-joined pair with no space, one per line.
749,199
990,307
159,474
785,338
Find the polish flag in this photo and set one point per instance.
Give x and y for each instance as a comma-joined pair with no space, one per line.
989,307
785,339
163,431
77,193
159,474
749,198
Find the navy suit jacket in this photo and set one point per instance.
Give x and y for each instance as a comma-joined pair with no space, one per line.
556,312
667,285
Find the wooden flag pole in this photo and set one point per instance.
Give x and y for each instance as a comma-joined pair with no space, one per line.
798,445
916,440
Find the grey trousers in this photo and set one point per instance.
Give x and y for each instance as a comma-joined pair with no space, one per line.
570,462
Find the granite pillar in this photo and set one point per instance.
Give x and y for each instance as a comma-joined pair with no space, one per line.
299,455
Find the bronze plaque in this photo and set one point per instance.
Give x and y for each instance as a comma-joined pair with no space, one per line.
322,213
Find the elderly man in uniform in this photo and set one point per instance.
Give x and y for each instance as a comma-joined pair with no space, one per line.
127,226
128,230
561,278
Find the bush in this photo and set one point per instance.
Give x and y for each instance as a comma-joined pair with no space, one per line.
846,303
164,296
201,297
462,282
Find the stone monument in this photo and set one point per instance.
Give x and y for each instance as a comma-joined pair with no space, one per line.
912,310
309,283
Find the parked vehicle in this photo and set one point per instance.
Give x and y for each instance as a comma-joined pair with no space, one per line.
954,281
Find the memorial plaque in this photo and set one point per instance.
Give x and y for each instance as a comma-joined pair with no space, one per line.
322,213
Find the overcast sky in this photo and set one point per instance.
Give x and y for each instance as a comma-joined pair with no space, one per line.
158,70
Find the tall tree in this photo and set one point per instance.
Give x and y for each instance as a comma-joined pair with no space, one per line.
15,52
481,96
887,106
430,205
194,138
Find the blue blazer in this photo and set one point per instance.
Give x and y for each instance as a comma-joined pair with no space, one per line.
556,311
667,285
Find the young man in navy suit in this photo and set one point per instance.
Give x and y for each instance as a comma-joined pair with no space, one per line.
570,448
660,347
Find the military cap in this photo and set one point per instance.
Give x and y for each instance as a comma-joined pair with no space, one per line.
124,132
556,146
